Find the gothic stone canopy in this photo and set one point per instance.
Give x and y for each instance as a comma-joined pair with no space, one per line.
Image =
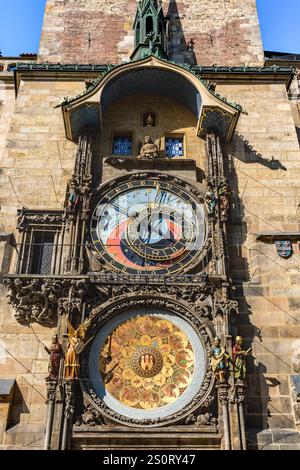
151,76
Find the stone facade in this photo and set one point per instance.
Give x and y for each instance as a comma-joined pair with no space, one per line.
262,162
225,33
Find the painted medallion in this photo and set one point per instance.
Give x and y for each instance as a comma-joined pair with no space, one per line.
147,362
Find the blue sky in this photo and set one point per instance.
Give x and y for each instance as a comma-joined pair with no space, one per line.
21,23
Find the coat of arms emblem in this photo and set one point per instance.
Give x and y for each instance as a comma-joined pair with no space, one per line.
284,248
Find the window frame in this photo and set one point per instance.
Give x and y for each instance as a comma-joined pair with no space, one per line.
175,135
30,223
122,133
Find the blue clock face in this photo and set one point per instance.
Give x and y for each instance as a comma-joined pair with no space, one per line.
148,226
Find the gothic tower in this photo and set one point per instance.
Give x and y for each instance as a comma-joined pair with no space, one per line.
151,181
207,32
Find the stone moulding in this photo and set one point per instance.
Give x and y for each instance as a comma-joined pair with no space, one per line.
42,299
28,217
101,314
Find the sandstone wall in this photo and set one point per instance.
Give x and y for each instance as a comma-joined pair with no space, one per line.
35,166
100,31
266,199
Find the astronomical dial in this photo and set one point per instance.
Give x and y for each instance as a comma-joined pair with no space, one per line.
148,226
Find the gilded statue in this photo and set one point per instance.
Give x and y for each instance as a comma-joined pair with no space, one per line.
149,149
75,346
239,359
219,361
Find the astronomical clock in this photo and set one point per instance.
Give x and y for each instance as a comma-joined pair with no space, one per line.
148,359
148,226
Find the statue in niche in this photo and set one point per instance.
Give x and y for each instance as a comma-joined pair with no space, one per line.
55,352
239,359
210,201
149,119
73,198
224,195
149,149
219,361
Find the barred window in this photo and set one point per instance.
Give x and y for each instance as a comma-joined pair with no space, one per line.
41,247
42,254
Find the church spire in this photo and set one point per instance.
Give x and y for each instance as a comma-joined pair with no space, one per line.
150,30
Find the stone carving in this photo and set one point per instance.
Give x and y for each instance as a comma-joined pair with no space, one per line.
149,149
226,307
55,352
210,201
206,419
78,199
196,296
80,183
41,300
69,400
27,217
239,359
223,395
238,392
115,161
219,361
51,390
198,280
90,417
35,300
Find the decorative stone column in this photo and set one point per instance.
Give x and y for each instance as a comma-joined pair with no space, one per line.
51,394
68,413
78,204
223,397
240,398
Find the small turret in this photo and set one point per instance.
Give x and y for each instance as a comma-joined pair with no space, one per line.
150,28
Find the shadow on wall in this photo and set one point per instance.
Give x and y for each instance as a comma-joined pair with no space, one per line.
298,134
18,408
246,153
179,49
